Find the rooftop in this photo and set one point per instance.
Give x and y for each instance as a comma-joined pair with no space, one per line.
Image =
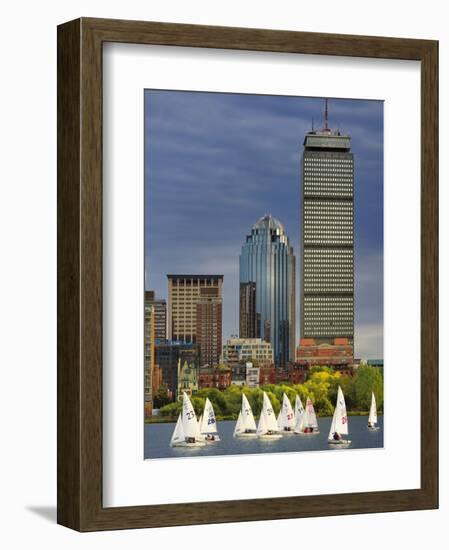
268,222
193,276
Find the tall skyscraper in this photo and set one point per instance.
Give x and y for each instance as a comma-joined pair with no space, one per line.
267,260
249,319
160,315
148,359
184,292
209,323
327,251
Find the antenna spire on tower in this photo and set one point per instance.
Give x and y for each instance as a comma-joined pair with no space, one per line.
326,127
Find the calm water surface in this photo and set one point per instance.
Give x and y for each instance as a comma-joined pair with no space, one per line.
157,440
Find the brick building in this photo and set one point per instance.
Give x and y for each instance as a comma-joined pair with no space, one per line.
339,354
214,377
209,322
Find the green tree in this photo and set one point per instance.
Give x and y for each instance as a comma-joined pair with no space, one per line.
198,404
171,410
216,397
161,397
324,407
320,368
367,379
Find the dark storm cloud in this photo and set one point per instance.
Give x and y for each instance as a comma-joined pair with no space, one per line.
215,163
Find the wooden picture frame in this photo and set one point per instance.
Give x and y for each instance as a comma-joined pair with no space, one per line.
80,418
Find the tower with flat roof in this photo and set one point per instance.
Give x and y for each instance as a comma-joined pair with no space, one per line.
327,240
188,295
160,315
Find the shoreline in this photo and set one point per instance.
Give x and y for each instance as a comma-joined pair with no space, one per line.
156,420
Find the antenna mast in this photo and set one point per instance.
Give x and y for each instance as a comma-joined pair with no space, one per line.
326,127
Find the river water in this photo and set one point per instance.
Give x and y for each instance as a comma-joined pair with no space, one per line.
157,440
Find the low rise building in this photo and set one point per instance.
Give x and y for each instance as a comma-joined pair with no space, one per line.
215,377
243,350
168,356
238,374
187,378
377,363
297,374
267,372
338,355
252,376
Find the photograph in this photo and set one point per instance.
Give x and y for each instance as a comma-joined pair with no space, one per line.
264,260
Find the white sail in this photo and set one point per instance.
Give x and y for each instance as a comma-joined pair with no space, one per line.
279,420
189,421
299,416
287,415
310,420
247,414
299,409
372,419
262,426
208,423
178,433
240,426
340,419
268,413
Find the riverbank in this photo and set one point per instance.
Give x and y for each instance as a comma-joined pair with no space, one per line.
321,387
169,420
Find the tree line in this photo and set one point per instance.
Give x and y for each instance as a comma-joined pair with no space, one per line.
321,386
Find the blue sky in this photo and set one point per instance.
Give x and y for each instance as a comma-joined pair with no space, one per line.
215,163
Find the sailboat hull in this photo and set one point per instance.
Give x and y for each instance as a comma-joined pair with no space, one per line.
339,443
307,434
270,436
185,444
373,428
211,441
246,435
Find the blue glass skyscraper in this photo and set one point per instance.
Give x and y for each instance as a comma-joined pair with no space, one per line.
267,260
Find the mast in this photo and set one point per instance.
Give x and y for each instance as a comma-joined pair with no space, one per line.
326,115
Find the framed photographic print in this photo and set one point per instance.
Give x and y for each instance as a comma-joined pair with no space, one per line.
247,274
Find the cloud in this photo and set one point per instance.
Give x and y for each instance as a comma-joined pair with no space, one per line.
215,163
369,341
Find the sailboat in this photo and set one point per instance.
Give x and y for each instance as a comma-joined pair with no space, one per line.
267,427
187,430
306,423
208,423
286,418
372,419
246,425
339,426
299,413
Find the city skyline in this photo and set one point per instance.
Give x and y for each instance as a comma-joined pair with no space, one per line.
225,170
